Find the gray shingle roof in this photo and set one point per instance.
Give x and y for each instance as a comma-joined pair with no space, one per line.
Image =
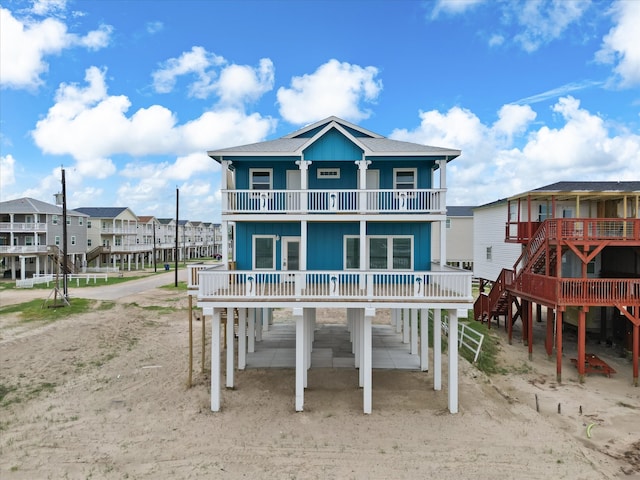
102,212
31,205
374,144
459,211
591,187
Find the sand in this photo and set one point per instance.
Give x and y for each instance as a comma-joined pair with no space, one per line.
104,395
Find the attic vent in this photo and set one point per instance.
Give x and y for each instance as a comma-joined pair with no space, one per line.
328,173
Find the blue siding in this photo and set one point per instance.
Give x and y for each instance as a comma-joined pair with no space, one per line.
244,240
333,146
386,167
326,244
348,176
279,166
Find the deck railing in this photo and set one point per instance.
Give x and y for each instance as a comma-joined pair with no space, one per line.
334,201
579,291
22,249
577,229
22,227
215,284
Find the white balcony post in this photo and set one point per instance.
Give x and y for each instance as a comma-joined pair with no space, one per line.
230,347
223,184
298,314
362,177
453,361
303,244
242,338
225,243
251,331
437,349
215,358
304,182
414,331
424,340
367,357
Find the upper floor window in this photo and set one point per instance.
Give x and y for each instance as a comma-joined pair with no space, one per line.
68,220
260,179
88,242
327,173
57,240
543,212
80,221
404,178
54,219
489,253
448,223
88,223
73,239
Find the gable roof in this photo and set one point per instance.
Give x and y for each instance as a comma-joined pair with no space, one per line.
31,205
372,143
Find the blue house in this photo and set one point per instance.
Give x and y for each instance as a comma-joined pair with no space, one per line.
332,216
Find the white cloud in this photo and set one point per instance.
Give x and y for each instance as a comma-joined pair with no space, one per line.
44,7
453,7
154,27
75,125
7,171
333,89
492,166
545,21
24,44
622,44
234,84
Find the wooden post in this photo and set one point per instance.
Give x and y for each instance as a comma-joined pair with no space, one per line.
509,318
548,341
530,328
559,315
581,343
190,340
636,348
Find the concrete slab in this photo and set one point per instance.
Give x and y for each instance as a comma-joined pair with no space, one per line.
331,348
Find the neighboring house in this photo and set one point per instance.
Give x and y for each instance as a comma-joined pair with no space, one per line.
148,235
333,216
167,233
32,237
459,236
491,254
113,238
580,258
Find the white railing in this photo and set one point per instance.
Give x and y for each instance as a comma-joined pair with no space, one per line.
443,285
334,201
22,227
87,277
101,269
468,337
118,231
18,249
35,280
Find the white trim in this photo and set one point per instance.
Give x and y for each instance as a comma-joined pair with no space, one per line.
260,170
395,177
328,173
253,251
389,253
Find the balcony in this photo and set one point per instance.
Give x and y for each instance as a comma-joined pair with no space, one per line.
118,231
422,201
441,285
22,249
577,229
22,227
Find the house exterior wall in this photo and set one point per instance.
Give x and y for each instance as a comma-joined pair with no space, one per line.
459,240
489,233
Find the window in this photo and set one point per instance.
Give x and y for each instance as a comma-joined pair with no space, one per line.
80,221
385,253
73,239
543,212
448,223
54,219
118,242
260,179
327,173
68,220
352,252
88,223
264,249
88,242
404,178
57,240
28,241
489,253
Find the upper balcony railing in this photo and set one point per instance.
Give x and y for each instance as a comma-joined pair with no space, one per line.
22,227
334,201
577,229
22,249
444,285
118,231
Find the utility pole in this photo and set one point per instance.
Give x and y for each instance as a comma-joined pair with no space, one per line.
177,223
155,269
65,289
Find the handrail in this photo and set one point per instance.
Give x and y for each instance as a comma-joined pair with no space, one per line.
582,229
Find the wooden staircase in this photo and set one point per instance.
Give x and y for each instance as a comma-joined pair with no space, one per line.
66,265
96,252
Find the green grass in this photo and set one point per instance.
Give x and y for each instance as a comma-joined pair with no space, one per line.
40,311
182,286
488,359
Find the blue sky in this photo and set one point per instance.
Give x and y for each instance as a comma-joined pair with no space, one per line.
129,95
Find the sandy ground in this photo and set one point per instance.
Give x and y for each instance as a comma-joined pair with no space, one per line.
103,395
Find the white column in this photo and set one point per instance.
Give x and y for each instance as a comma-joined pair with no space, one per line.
398,319
298,314
304,182
251,333
443,224
215,358
307,343
443,243
265,319
38,264
424,340
362,180
242,338
356,339
303,245
225,242
230,349
405,325
437,349
414,331
23,266
258,324
367,349
361,347
453,361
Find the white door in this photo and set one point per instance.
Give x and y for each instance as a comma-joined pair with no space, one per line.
293,183
290,256
373,183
